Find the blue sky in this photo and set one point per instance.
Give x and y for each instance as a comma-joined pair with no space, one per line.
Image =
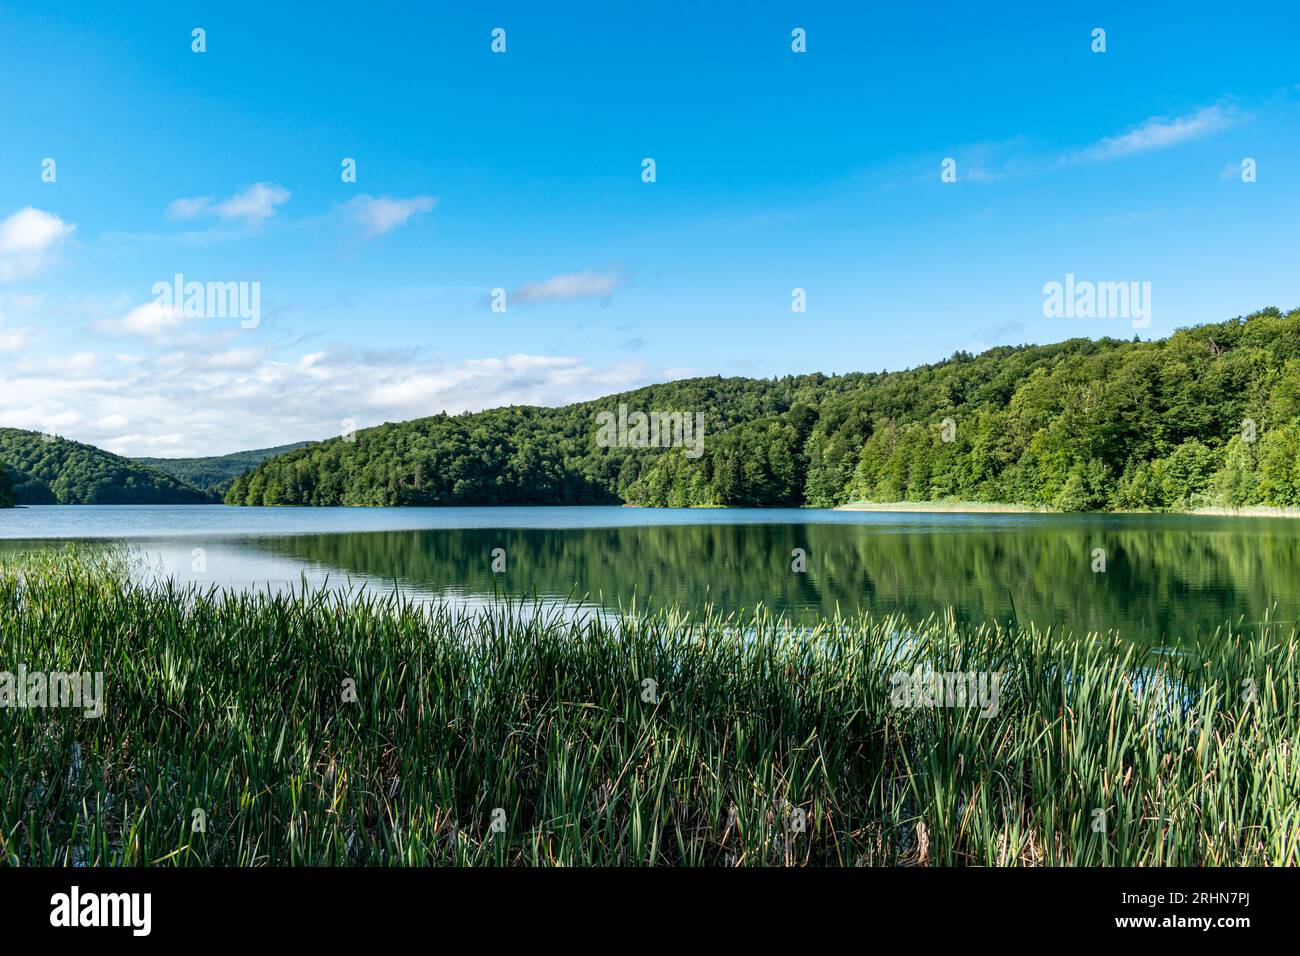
522,171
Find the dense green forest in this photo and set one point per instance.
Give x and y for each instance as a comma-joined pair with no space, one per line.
517,455
6,487
215,475
46,470
1209,416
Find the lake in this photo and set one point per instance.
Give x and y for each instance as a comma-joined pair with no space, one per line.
1166,577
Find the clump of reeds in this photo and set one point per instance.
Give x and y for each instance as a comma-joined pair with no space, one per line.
517,736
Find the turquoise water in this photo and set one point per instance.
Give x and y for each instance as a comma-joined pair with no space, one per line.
1166,577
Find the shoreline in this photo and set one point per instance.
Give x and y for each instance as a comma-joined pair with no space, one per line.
993,507
946,507
899,507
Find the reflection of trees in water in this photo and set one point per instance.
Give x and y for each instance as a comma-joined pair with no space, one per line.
1167,582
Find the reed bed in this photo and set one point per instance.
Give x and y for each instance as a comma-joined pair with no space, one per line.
521,737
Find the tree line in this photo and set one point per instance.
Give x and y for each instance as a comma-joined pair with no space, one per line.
1208,416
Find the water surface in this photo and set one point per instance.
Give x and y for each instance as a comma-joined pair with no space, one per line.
1166,576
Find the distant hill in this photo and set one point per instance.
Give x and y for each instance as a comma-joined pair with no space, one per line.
519,455
1208,416
215,475
46,470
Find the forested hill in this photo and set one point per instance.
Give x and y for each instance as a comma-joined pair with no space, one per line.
46,470
1208,416
216,474
518,455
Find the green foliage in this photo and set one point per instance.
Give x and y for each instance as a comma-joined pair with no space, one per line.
1139,488
49,470
1237,483
1079,425
1086,487
215,475
1186,473
755,464
6,487
1279,467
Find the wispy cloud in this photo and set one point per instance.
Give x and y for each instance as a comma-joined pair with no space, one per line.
572,285
151,319
378,215
1159,132
252,206
188,208
11,340
27,239
999,161
246,358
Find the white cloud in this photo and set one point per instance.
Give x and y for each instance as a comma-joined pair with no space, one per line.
151,319
1159,132
188,208
486,383
233,358
378,215
252,206
573,285
11,340
26,240
996,161
80,362
200,402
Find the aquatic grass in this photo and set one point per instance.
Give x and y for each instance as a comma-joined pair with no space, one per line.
762,740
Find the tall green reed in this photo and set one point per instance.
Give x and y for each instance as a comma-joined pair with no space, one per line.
758,741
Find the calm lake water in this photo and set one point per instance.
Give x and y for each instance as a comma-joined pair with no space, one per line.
1166,577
